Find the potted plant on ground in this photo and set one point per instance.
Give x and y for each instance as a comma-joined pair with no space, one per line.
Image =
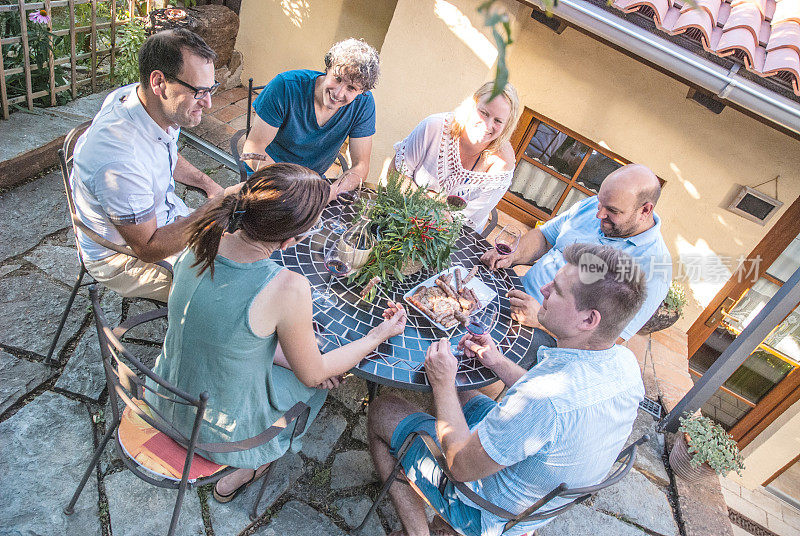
703,448
668,312
415,232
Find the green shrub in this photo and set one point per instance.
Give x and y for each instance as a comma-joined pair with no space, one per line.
710,443
129,41
676,297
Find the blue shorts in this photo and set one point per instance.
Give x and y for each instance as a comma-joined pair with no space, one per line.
422,470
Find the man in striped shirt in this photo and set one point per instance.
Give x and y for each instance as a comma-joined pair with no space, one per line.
565,420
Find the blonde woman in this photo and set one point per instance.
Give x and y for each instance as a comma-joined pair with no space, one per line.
465,153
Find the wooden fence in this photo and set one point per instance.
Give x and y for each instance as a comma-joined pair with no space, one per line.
79,76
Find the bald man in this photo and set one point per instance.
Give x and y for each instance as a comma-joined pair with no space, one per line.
621,215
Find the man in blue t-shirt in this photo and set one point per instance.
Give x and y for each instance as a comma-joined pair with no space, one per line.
305,116
565,420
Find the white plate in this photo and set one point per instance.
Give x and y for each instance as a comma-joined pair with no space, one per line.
485,294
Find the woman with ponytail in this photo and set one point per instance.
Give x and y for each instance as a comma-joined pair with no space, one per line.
233,312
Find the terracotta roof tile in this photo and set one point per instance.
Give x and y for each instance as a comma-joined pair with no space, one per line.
764,34
786,10
703,19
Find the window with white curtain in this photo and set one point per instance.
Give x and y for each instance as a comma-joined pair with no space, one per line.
556,168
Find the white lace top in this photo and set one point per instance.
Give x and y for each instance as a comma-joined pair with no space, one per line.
431,157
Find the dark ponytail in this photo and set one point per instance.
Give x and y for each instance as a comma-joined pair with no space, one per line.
278,202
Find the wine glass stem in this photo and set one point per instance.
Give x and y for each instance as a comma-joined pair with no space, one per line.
330,282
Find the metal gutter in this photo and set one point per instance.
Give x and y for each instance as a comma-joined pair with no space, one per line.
210,150
718,80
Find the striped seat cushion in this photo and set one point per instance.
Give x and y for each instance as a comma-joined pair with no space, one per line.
158,453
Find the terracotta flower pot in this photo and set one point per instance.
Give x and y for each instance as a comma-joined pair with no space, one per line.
661,319
679,461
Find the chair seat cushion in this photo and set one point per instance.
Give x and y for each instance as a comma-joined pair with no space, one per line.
158,453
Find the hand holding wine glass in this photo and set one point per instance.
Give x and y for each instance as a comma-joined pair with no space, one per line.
482,321
507,241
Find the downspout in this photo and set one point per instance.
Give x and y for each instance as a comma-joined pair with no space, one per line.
721,81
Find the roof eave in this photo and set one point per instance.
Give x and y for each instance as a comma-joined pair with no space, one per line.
684,64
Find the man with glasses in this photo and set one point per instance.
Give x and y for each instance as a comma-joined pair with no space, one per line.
127,162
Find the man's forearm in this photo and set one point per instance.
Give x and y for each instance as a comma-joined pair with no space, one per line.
170,239
507,371
451,426
189,175
531,247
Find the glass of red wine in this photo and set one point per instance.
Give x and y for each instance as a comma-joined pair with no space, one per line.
456,202
339,263
483,320
507,241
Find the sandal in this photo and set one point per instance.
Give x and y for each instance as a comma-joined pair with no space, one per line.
228,497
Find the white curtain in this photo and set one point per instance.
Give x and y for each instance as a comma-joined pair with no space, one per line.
536,185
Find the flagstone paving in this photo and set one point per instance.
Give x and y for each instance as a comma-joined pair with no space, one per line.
48,426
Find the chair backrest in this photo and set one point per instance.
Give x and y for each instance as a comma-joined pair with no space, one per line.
250,90
65,163
65,160
125,382
537,511
575,496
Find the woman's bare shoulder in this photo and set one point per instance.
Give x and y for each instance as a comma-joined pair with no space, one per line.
503,159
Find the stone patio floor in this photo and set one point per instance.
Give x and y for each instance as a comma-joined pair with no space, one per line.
51,417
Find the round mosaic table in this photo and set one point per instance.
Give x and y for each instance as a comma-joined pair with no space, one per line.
399,362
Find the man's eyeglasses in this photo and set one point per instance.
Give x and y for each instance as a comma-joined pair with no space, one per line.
199,92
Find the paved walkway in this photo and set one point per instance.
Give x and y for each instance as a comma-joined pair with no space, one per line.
51,417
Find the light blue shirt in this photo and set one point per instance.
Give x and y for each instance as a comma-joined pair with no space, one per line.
122,171
580,224
565,420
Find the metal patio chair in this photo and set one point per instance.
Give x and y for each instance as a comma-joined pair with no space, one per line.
147,443
65,160
491,224
537,511
239,134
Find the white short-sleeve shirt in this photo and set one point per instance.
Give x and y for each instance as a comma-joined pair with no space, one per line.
122,171
431,157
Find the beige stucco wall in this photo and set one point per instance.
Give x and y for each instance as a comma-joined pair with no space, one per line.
278,35
608,97
771,449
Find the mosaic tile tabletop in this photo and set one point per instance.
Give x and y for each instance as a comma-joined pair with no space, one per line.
399,362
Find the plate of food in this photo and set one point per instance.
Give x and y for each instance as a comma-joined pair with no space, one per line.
450,297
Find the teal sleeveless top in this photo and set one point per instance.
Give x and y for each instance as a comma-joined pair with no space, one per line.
210,346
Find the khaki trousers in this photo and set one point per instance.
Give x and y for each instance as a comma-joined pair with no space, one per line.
132,277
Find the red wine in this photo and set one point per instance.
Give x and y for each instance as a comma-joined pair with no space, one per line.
336,267
503,249
347,198
476,327
456,202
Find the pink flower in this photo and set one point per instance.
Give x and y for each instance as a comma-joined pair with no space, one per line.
40,16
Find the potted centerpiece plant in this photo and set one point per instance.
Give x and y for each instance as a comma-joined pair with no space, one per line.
668,312
413,231
703,448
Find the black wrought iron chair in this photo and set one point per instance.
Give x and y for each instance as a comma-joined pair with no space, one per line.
341,159
146,442
537,511
65,161
491,224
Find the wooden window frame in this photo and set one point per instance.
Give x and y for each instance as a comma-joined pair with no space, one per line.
515,205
